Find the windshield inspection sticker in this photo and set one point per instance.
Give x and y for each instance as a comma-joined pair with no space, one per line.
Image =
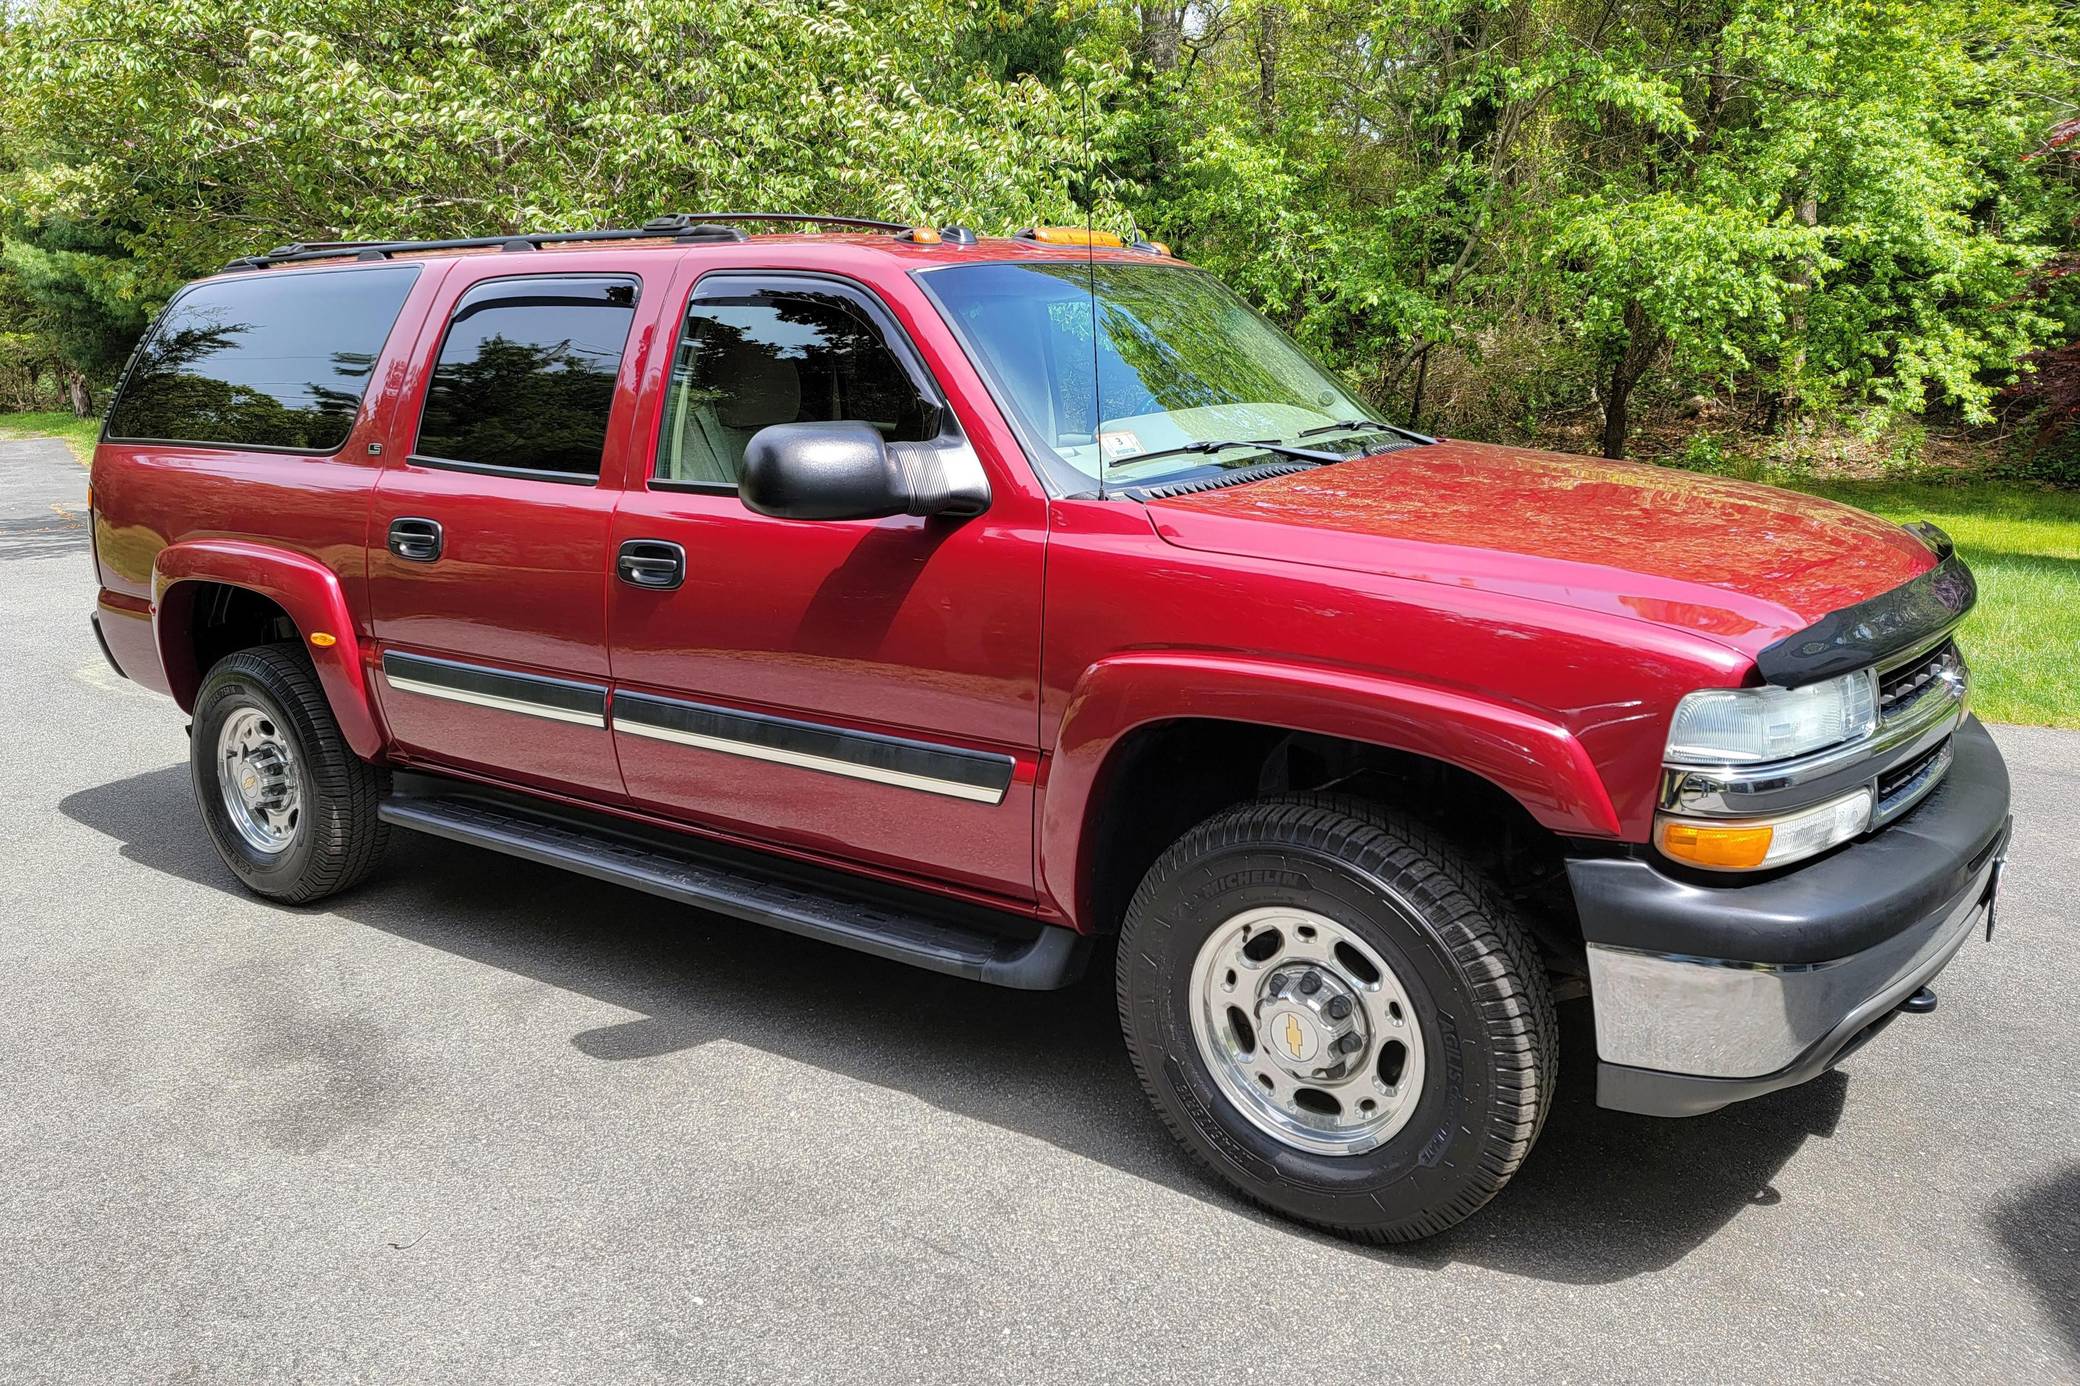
1118,444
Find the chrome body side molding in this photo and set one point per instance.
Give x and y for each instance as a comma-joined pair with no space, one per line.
532,695
956,772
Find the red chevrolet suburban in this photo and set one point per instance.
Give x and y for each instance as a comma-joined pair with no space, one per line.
966,600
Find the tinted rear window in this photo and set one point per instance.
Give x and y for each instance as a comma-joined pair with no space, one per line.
272,360
525,379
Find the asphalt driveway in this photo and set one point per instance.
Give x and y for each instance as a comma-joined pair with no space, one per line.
480,1121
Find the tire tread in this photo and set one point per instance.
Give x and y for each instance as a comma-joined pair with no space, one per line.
1466,912
345,789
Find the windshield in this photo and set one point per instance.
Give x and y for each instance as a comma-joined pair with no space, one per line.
1178,359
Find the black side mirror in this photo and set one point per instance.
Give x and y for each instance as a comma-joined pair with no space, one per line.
845,471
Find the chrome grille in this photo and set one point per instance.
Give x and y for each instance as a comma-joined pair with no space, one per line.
1904,685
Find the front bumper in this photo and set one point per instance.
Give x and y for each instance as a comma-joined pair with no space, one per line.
1709,993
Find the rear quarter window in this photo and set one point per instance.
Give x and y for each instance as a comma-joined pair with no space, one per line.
270,361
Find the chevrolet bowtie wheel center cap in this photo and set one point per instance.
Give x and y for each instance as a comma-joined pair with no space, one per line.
1307,1030
262,786
1311,1023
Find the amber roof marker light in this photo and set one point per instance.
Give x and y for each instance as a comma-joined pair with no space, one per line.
1070,235
1089,239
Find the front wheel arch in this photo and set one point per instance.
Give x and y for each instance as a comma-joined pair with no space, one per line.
1533,762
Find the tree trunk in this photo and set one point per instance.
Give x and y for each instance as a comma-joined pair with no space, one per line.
82,397
1162,36
1615,424
1785,405
1415,405
1642,340
1264,39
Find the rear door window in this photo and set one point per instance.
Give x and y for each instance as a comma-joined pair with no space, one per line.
270,360
525,378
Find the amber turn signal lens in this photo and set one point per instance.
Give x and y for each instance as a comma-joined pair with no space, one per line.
323,640
1751,844
1731,848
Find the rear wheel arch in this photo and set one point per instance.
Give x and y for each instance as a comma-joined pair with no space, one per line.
201,621
213,598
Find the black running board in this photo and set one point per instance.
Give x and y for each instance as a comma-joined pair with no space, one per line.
1003,950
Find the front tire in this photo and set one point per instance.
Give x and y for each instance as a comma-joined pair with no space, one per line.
1331,1009
290,807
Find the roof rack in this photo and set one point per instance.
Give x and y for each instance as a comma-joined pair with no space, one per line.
686,228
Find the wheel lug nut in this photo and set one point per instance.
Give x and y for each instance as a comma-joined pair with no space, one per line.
1338,1009
1350,1044
1310,984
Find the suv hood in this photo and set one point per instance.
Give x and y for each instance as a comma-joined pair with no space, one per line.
1742,563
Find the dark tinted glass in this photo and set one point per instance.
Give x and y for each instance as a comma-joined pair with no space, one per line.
272,360
526,375
785,356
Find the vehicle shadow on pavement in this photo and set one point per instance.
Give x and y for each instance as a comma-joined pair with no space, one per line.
1604,1196
2038,1227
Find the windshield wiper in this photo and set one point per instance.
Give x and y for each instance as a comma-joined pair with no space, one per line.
1229,445
1353,425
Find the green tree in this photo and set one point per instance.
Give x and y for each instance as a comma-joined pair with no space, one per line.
80,298
1819,206
224,126
142,144
1499,217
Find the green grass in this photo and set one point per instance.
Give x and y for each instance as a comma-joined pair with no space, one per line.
78,434
2023,544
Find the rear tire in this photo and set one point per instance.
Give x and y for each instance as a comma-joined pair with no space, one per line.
1423,1048
290,807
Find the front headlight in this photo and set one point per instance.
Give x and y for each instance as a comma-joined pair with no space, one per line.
1744,725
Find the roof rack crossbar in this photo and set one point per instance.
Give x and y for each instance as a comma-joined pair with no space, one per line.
675,224
674,221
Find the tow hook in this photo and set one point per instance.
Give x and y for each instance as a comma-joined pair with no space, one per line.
1993,877
1920,1003
1993,890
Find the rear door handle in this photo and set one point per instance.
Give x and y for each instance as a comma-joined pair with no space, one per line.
415,540
652,563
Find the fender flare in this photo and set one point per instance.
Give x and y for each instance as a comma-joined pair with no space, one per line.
1532,758
302,586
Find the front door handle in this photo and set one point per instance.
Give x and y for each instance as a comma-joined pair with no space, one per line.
652,563
415,540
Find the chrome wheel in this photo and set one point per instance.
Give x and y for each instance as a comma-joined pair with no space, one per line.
259,780
1307,1030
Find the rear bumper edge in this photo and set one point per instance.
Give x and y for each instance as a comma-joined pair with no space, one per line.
94,619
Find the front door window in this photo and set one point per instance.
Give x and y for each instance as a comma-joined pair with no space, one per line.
750,357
